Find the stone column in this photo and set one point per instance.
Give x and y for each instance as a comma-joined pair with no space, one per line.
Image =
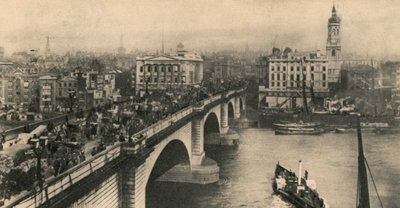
237,107
151,73
132,185
197,141
224,118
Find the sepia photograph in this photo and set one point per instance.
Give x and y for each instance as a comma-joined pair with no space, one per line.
199,104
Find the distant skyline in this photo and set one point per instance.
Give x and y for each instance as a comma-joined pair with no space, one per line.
369,27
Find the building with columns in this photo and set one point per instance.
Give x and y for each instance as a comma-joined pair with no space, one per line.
158,72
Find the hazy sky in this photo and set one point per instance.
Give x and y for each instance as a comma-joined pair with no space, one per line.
368,26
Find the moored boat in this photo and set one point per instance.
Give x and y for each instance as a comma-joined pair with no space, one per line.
389,130
299,124
344,130
300,191
299,131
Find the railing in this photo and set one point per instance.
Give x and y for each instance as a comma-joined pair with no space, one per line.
54,185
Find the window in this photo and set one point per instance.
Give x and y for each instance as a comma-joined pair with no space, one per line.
278,84
291,77
155,79
292,84
278,77
323,68
278,69
69,84
141,68
291,68
59,93
148,68
162,69
284,76
60,85
298,68
298,77
333,52
272,84
312,68
284,68
312,76
141,80
272,76
169,69
323,84
272,68
323,76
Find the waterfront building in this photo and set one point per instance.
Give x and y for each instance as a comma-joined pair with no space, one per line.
158,72
282,82
396,90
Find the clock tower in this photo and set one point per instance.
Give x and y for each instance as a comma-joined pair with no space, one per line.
333,46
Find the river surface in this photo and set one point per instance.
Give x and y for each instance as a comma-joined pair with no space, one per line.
246,171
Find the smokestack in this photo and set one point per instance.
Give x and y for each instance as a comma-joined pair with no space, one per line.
299,180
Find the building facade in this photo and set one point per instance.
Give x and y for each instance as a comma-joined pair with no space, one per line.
48,93
18,86
284,78
161,71
67,92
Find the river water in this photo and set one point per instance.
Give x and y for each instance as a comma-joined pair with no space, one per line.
246,171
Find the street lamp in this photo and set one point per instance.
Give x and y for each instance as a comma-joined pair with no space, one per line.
38,150
72,96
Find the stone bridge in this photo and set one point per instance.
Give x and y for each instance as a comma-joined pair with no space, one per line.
169,150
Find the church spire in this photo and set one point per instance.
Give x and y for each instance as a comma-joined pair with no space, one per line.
333,10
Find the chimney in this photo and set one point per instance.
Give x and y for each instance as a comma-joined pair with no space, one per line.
299,179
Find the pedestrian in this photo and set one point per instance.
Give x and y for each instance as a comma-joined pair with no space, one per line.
94,151
121,137
56,166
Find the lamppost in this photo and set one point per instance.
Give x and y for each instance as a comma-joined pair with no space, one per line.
72,96
38,150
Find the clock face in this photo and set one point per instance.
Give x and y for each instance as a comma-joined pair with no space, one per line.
334,35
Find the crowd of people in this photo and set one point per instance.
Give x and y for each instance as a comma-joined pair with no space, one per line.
63,146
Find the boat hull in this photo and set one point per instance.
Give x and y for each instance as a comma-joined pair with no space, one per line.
305,198
298,132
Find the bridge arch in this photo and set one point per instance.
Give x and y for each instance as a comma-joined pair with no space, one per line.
211,123
231,110
173,153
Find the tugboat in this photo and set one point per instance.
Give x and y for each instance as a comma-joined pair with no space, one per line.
300,191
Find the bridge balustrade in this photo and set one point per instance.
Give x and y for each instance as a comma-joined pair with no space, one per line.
54,185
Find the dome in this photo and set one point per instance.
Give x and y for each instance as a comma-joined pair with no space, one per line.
180,46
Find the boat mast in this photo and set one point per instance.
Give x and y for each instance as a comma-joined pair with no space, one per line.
373,87
304,86
362,189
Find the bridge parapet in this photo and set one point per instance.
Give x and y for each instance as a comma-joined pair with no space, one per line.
54,185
